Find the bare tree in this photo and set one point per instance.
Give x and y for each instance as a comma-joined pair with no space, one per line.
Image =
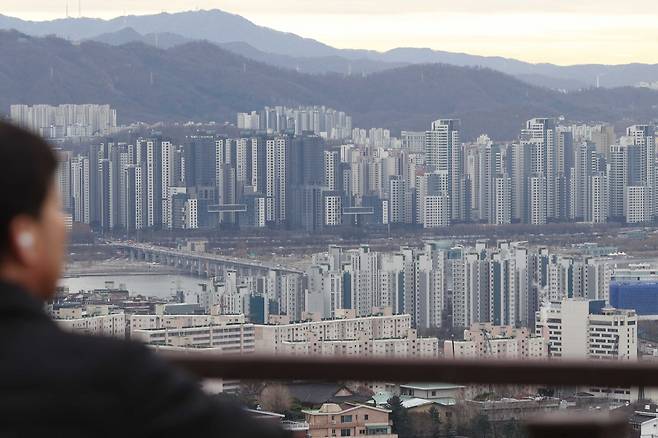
275,398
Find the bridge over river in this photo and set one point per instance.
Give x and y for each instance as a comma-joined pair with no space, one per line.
200,263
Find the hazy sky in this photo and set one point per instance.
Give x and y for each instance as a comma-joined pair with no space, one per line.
558,31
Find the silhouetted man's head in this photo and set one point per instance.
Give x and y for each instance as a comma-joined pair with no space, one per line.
32,228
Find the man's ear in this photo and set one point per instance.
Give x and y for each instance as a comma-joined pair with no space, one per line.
22,239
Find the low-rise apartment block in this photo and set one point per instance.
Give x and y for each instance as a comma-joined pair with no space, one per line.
348,420
484,340
372,336
159,321
216,338
101,320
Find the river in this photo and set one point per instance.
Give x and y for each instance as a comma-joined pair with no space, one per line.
156,285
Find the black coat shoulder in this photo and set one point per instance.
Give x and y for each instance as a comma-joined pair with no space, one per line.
63,384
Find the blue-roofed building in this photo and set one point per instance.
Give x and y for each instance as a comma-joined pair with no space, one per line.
639,296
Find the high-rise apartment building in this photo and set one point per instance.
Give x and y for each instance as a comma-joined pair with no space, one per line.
540,137
444,153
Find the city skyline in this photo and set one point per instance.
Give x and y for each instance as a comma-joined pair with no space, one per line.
287,219
310,169
560,33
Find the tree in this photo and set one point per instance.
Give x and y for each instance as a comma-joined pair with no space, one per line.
400,417
275,398
512,429
249,392
435,422
481,427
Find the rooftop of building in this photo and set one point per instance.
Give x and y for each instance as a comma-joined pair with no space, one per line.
414,402
205,326
308,393
342,408
337,319
431,386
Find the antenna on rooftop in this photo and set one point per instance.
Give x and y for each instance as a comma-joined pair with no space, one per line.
67,8
79,8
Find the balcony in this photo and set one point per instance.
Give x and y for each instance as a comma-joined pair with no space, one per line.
294,426
563,424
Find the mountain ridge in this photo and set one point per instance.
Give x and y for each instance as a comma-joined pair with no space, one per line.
201,81
221,27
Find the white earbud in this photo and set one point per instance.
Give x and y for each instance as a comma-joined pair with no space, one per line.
26,240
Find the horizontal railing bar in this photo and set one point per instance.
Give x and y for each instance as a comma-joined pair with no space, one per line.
549,372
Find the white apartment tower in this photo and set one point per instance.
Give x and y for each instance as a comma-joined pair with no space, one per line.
436,211
637,204
537,199
502,200
539,134
443,152
618,178
167,167
598,210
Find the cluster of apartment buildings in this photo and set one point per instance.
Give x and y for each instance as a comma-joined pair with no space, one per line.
325,122
552,173
447,283
170,326
65,121
302,179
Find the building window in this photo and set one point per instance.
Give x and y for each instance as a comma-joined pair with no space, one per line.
345,418
346,432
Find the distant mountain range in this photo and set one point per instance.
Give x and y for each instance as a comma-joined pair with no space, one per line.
287,50
315,65
202,81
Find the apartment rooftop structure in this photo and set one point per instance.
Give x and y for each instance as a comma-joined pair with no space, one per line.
432,391
635,272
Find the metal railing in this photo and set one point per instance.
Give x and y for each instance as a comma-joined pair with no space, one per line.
548,372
